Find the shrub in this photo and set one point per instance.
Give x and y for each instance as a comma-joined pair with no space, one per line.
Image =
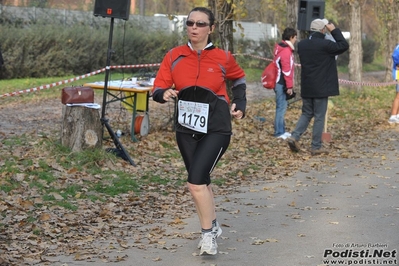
369,47
57,50
262,49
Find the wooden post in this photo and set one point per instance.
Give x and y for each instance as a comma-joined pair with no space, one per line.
81,128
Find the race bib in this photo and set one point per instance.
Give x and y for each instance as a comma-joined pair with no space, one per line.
193,115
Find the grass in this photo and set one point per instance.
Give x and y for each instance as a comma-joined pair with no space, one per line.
87,159
117,185
253,74
10,186
377,65
16,85
219,181
9,167
40,175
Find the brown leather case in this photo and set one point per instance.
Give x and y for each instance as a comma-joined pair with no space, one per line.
77,95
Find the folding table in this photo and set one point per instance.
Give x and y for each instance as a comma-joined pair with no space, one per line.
134,98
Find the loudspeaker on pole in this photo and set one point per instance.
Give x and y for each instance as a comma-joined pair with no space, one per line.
112,8
309,10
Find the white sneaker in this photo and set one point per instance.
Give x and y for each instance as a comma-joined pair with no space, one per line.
287,134
284,136
217,230
393,120
209,245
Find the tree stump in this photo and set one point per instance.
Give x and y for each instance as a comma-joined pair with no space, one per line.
81,128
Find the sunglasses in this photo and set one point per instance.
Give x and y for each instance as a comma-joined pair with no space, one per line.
199,24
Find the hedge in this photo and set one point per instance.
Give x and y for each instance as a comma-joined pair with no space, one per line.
56,50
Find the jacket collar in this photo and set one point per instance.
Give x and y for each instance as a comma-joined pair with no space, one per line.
207,47
290,44
286,43
317,35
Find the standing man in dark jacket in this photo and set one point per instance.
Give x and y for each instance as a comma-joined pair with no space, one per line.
319,80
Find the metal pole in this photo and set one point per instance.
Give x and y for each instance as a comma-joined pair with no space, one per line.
108,66
104,120
142,7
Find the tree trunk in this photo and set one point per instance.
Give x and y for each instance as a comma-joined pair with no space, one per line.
292,13
355,47
81,128
393,33
388,14
223,12
292,20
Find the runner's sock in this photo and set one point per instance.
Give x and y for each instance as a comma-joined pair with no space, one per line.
214,223
206,230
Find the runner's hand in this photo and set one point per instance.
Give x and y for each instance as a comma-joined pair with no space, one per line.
236,113
169,93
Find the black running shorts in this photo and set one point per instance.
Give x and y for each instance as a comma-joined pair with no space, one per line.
200,153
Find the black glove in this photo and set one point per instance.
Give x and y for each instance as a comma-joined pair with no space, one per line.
288,96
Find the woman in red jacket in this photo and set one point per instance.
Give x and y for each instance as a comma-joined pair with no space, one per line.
284,59
197,72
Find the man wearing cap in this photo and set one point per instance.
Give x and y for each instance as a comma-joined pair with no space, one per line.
319,80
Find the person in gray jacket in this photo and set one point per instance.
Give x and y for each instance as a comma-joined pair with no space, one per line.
319,80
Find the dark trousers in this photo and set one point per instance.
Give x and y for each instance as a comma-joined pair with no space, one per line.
312,108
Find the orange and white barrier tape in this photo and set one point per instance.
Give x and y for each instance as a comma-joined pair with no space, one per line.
341,81
369,84
137,66
52,84
48,86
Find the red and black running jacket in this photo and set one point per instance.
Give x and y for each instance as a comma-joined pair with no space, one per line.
200,76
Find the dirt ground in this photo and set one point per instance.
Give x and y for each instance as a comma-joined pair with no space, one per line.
44,116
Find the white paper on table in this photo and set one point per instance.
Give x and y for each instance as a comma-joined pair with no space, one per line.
88,105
